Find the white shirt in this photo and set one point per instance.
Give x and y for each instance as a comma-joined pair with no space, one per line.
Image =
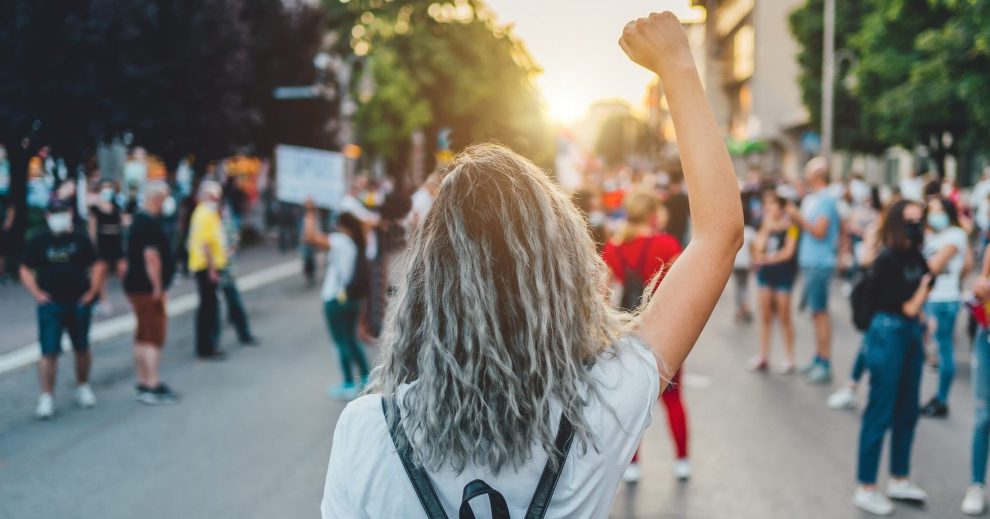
947,287
913,188
978,200
422,200
365,478
744,258
340,265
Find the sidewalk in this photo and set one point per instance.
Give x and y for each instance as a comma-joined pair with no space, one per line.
17,308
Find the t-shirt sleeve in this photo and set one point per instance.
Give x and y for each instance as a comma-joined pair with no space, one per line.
666,247
337,501
629,383
33,254
137,237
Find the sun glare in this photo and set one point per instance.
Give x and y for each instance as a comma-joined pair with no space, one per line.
565,108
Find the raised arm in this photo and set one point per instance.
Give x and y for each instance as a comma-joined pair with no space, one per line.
311,235
672,321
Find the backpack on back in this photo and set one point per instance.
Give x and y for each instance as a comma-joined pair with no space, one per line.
633,284
861,301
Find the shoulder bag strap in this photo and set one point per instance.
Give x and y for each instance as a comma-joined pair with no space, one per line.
417,476
476,488
548,481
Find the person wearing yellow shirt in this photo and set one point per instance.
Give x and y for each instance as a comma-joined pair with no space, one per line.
207,257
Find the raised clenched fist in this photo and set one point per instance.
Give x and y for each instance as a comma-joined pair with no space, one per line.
657,42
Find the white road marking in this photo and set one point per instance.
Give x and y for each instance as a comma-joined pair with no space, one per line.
113,327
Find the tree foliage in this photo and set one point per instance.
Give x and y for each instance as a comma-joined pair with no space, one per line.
923,71
442,65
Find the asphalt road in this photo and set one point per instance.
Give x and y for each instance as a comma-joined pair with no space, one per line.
252,436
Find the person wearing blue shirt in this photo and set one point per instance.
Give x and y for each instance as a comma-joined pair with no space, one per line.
818,250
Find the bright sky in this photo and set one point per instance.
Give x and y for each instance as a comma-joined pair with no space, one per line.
575,41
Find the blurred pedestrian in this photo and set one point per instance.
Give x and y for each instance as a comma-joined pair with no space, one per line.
975,501
499,332
638,260
742,268
899,285
150,267
106,229
678,209
819,223
589,202
775,259
345,286
946,248
207,257
62,272
236,313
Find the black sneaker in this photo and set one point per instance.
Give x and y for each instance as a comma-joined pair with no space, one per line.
161,395
217,355
935,409
250,341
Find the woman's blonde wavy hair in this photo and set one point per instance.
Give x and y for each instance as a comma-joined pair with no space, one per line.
500,309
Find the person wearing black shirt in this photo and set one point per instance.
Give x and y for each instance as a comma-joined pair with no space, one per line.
61,270
106,229
150,266
899,284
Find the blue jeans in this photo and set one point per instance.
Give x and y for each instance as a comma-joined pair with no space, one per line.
57,318
945,327
981,400
342,319
894,357
859,365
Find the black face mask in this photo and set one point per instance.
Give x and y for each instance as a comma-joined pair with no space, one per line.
915,233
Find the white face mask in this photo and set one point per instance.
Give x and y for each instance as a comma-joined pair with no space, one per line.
168,206
60,223
107,195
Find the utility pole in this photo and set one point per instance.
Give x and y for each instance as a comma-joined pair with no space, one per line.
828,82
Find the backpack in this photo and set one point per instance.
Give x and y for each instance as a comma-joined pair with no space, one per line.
861,301
633,284
360,284
428,496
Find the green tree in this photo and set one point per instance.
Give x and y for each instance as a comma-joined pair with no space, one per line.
807,26
441,65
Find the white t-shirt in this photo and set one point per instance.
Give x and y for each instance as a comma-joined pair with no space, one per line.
947,285
744,258
365,478
340,265
978,200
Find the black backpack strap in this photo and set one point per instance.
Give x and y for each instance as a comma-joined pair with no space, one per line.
548,480
417,476
477,488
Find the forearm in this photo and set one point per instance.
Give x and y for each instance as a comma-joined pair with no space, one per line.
97,274
912,308
708,171
30,283
153,268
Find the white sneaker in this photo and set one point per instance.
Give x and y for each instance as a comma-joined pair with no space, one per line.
872,501
632,473
85,397
905,489
682,469
843,398
974,503
46,407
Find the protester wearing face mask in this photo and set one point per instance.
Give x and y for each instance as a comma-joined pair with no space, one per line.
946,251
61,270
899,284
106,230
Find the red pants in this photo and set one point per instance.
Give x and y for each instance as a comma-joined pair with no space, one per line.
676,417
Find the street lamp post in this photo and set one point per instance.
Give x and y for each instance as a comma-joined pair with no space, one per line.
828,82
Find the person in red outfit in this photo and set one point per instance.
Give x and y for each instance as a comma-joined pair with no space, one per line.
644,250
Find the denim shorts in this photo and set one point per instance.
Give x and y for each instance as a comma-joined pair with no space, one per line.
816,286
54,319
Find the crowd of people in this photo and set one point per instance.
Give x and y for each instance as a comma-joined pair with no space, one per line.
81,232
